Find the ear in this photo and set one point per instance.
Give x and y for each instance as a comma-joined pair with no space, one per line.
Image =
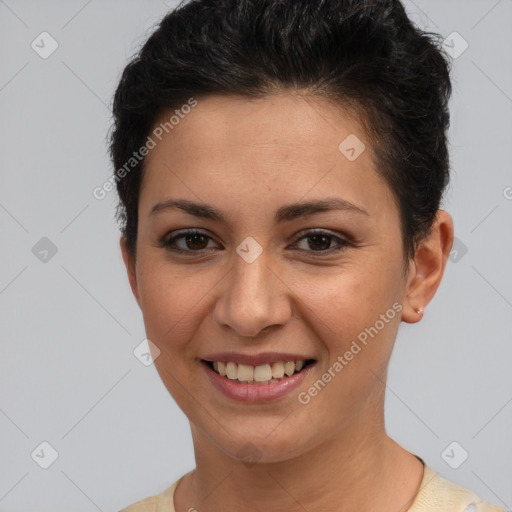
427,267
130,267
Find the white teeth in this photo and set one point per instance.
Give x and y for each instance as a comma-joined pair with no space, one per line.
289,368
231,370
261,374
278,370
246,372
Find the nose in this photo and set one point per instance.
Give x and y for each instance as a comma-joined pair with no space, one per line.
252,299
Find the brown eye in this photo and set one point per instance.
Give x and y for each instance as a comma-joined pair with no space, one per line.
189,241
195,242
320,242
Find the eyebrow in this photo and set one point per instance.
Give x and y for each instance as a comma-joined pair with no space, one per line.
283,214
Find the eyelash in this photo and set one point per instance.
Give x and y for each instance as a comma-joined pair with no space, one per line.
343,243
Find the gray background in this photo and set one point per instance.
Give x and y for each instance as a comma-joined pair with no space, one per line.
69,325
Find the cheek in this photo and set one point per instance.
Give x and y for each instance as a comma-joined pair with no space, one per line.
345,302
172,307
168,302
356,318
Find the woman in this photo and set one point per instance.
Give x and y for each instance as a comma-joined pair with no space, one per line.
280,166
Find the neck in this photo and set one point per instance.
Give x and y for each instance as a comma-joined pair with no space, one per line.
349,472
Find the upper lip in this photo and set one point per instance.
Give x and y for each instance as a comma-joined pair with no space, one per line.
254,359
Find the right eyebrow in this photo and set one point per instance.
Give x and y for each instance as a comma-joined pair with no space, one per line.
197,209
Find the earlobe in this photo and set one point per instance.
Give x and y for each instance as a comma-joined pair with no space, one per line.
130,267
427,268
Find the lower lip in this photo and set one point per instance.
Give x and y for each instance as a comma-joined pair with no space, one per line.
256,392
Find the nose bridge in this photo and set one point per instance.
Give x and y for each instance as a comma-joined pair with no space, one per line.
252,297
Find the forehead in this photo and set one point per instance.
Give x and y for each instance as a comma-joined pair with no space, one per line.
281,119
282,144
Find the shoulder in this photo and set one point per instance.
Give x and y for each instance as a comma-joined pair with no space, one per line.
146,505
160,502
437,493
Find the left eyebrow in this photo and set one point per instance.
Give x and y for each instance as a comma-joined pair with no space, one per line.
283,214
295,210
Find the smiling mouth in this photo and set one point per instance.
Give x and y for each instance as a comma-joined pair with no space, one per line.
258,375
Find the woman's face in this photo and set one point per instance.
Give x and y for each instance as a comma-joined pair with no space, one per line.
263,279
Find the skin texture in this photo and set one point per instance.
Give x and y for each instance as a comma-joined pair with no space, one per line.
247,158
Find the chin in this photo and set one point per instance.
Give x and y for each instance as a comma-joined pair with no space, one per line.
258,447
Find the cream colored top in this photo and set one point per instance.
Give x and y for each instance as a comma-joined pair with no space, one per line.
436,494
